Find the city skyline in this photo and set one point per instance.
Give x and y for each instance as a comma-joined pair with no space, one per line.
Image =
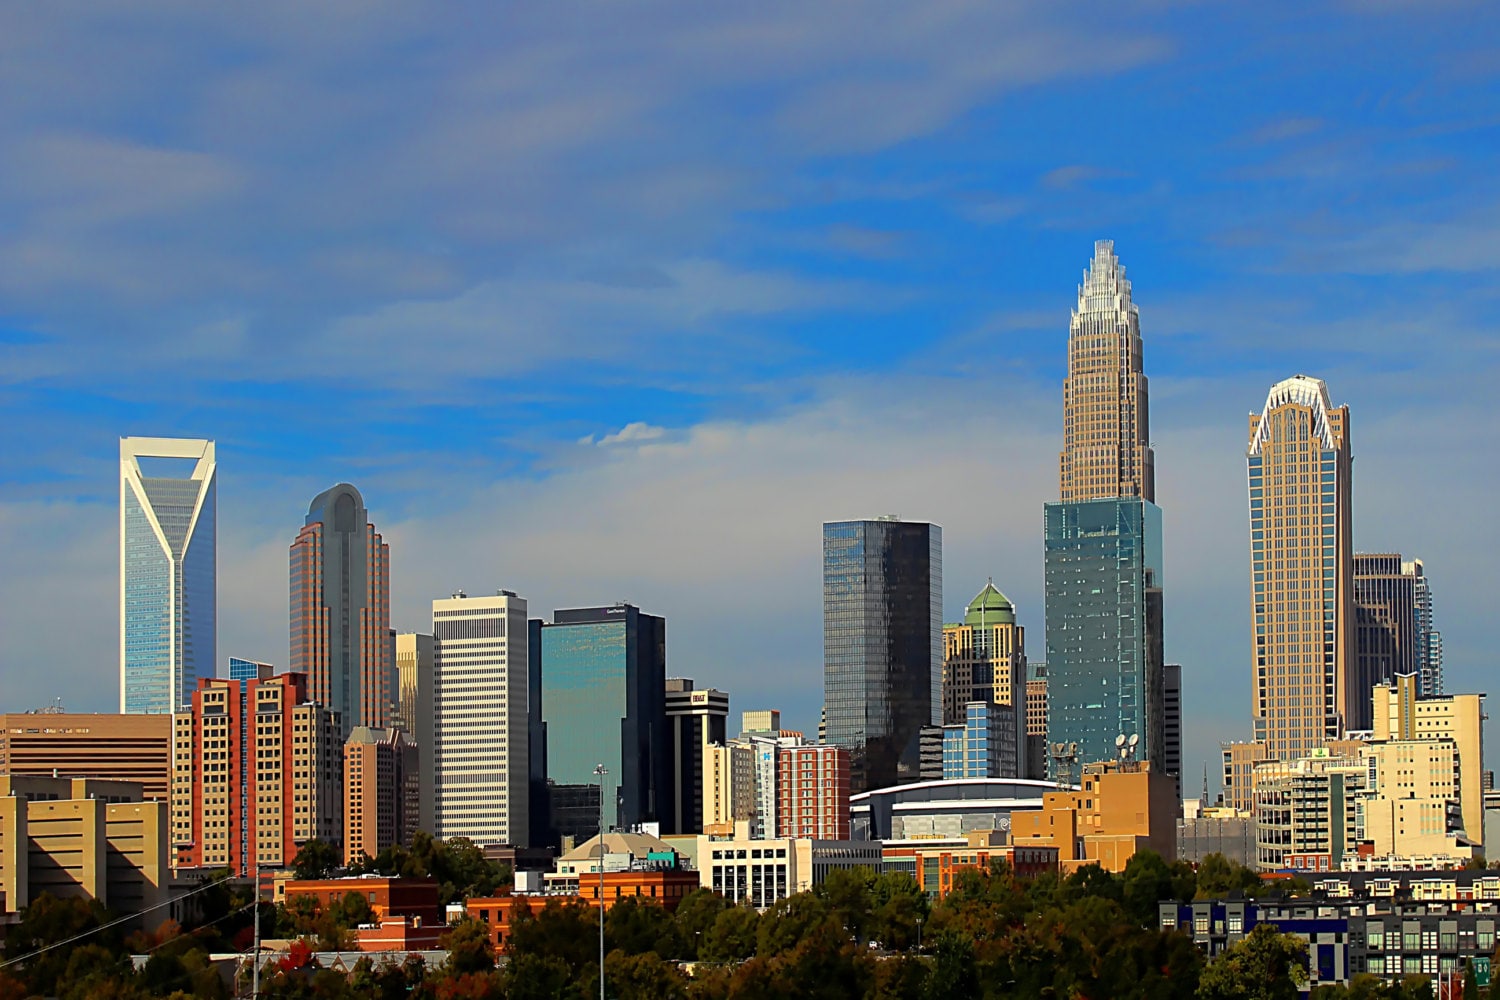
576,326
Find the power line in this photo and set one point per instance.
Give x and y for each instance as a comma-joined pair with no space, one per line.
115,923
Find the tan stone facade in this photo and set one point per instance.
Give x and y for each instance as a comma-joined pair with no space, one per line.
380,791
1106,420
81,838
1400,714
86,745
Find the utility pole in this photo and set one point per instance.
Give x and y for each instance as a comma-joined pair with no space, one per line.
600,771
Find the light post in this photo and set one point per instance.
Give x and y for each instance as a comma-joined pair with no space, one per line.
600,772
919,935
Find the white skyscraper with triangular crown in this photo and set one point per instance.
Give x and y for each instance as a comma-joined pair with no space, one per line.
168,570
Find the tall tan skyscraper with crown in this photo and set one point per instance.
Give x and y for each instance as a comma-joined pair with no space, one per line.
1106,419
1302,569
1103,540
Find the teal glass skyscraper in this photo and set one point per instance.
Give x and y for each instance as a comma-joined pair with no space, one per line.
602,675
168,571
1103,545
882,644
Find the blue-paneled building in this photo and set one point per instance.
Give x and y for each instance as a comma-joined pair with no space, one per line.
1103,583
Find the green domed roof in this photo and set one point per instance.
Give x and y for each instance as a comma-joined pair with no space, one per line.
990,607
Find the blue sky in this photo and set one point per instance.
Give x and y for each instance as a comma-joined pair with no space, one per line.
606,301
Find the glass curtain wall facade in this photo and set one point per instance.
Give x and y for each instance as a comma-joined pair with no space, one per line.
603,680
1301,564
882,644
1385,625
1105,674
341,610
168,571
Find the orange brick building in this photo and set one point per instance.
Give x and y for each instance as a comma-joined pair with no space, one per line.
662,886
1121,809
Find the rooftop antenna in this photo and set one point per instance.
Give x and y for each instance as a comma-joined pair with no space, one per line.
1064,757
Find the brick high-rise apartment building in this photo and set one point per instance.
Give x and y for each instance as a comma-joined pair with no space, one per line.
1302,567
257,770
813,789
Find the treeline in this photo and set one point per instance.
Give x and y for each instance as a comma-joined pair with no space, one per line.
1091,934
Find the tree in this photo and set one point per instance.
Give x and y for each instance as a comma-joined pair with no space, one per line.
315,859
1264,965
733,936
47,921
1218,877
900,906
954,974
643,977
694,916
468,945
847,894
790,920
637,926
1146,881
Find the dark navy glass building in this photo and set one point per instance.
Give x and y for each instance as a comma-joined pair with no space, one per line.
882,644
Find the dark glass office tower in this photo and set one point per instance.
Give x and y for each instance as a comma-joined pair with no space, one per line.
603,678
1104,627
882,644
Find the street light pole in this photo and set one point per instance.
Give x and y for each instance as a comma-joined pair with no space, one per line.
600,771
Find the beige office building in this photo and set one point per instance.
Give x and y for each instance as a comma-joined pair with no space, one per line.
728,784
86,745
1401,715
1301,554
984,659
380,791
80,837
1413,809
414,680
1106,429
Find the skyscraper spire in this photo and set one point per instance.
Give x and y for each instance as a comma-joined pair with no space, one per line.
1106,422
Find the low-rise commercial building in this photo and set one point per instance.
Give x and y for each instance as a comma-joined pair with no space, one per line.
1388,937
934,867
760,871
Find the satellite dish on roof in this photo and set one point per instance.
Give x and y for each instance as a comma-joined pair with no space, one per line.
1120,741
1135,739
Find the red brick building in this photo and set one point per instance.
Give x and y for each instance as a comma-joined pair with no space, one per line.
813,792
416,898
